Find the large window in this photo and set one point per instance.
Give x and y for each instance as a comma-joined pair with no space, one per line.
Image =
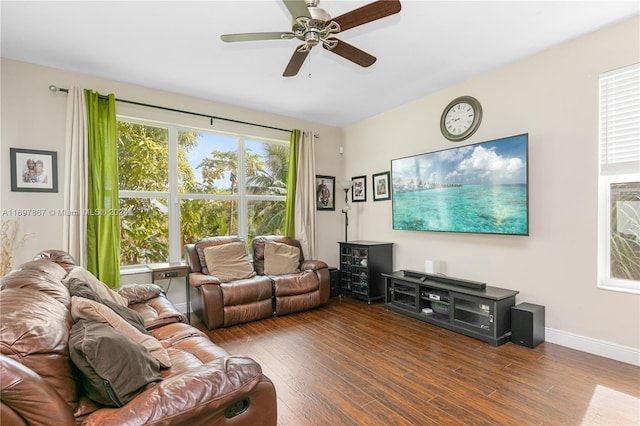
179,185
619,181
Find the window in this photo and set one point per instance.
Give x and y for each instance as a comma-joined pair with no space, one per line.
619,181
179,185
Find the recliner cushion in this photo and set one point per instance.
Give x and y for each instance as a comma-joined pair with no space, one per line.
280,259
229,262
111,380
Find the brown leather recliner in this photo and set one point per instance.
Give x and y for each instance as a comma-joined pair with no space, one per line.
222,304
294,292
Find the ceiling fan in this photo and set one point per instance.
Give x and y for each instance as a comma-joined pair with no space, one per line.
313,26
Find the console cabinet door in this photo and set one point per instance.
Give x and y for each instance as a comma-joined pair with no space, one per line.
474,313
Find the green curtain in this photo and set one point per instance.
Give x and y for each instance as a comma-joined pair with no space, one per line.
292,177
103,220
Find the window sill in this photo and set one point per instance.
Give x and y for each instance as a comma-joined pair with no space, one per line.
134,269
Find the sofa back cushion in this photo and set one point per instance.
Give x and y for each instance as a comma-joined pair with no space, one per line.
281,259
60,257
229,262
258,245
40,275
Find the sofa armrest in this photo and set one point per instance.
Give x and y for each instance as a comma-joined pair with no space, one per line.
196,397
197,279
157,312
26,397
140,293
312,265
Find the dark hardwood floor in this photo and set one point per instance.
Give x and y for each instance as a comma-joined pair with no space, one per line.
350,363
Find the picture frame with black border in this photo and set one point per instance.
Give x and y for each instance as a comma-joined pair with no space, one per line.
381,188
33,170
359,189
325,192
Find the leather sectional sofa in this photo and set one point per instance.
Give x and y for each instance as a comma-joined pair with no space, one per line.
279,280
72,351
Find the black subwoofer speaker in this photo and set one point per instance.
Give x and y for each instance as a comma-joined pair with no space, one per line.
527,324
334,275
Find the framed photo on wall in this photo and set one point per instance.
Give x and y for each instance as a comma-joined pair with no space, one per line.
359,189
325,192
381,188
33,170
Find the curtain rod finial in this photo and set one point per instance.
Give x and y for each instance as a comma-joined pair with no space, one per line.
53,88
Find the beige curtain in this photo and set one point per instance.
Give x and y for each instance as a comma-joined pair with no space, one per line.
75,178
305,215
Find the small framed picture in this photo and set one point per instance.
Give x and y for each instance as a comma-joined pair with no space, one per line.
381,186
325,192
359,189
33,170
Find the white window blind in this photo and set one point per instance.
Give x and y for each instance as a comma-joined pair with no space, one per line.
620,121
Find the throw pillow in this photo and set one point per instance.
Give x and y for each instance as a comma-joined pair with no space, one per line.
107,379
280,259
90,310
229,262
79,288
96,285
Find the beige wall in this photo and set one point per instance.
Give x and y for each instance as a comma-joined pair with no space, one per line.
553,97
33,117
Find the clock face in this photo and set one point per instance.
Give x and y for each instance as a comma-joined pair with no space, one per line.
461,118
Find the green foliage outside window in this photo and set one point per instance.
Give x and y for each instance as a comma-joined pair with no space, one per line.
625,231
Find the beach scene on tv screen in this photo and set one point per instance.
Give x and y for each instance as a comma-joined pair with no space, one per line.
479,188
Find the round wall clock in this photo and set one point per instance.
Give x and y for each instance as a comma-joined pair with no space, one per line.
461,118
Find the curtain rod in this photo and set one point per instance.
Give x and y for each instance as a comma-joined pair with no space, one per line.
54,88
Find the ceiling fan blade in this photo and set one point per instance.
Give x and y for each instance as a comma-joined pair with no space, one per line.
297,8
370,12
351,53
230,38
295,63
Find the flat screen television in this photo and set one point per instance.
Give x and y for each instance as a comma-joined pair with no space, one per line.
481,188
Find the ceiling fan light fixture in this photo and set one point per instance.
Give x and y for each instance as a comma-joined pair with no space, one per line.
312,37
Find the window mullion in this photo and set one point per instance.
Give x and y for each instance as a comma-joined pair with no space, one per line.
243,227
175,252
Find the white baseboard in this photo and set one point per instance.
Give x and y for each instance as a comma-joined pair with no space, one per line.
594,346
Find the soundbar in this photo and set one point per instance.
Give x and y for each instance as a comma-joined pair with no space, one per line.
422,276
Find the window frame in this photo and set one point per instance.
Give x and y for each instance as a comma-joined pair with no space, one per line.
621,169
174,197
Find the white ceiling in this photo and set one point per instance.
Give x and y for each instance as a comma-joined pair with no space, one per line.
175,46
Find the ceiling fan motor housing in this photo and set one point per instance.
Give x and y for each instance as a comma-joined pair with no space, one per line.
315,30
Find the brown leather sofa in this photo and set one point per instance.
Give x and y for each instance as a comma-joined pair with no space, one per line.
41,385
222,304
